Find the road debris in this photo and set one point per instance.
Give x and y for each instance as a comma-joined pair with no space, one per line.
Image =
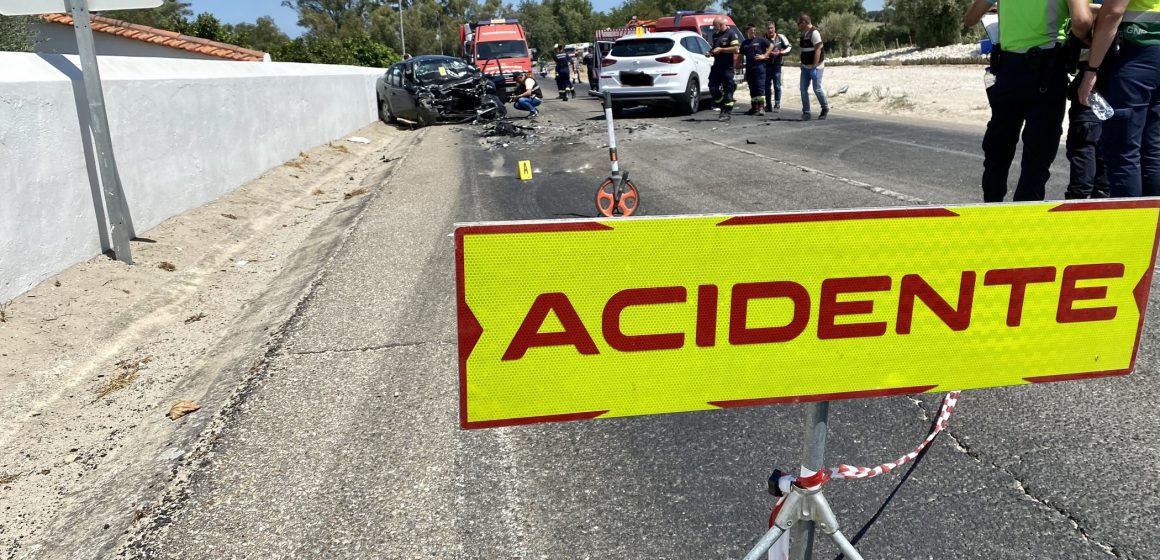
359,140
181,408
167,266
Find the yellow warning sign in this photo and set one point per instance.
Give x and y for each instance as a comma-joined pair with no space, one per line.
525,170
579,319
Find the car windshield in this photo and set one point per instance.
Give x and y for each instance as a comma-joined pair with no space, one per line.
441,70
501,49
642,47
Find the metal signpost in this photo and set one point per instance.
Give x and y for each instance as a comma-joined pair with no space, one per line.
733,311
116,206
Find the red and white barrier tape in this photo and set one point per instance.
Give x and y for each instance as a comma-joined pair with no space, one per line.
944,415
848,471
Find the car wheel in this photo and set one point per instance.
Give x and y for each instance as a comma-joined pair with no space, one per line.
690,102
385,113
617,111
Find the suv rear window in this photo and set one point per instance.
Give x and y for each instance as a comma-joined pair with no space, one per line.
642,47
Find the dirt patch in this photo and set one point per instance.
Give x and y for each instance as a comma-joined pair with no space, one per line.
94,358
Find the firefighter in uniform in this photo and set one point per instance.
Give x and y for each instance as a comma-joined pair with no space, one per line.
1130,81
1030,91
725,44
755,48
563,76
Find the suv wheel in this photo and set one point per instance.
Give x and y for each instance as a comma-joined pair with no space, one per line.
690,102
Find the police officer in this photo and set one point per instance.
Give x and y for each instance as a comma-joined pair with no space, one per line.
813,66
725,44
1130,81
563,77
779,47
754,49
1030,90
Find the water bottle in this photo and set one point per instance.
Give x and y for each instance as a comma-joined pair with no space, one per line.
1100,106
988,77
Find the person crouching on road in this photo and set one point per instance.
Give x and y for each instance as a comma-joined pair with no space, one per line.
813,59
755,48
563,77
725,44
779,47
528,95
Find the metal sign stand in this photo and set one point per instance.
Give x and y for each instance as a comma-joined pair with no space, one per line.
116,207
805,502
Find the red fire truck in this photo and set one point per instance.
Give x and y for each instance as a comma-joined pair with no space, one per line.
498,47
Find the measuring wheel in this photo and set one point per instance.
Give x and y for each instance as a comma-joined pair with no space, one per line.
617,196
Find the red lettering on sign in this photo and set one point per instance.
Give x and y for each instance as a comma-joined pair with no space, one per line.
529,335
830,307
1069,293
915,287
640,342
740,333
706,315
1018,279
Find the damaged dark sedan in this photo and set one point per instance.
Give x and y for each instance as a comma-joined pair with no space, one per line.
434,89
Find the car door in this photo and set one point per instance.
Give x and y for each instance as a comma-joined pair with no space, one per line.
402,99
704,63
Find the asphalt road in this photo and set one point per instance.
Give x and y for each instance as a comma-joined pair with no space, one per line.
348,446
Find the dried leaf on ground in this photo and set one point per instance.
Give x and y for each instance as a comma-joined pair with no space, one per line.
354,193
230,216
181,408
167,266
8,478
195,318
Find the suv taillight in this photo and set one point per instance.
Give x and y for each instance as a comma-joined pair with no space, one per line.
675,59
607,62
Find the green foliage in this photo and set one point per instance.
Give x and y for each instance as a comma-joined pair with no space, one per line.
359,50
171,14
262,35
333,18
757,12
933,23
17,34
843,31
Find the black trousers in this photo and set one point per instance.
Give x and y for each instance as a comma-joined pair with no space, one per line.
1087,176
1029,95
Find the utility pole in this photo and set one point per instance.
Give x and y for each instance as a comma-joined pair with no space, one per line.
402,38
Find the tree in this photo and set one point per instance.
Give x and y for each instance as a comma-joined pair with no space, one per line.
933,23
171,15
17,34
843,30
262,35
359,50
209,27
333,18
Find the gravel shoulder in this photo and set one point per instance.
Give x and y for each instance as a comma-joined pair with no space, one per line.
94,358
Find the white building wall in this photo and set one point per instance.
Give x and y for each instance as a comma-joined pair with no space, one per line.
185,132
56,38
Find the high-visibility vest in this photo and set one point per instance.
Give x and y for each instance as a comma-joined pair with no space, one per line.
1141,23
1024,24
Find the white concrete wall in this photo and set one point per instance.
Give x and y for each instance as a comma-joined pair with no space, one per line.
185,132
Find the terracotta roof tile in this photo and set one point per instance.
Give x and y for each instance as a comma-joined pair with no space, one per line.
163,37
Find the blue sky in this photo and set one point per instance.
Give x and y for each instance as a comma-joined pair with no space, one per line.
239,11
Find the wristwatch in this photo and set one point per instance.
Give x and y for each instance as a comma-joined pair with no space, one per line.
1085,67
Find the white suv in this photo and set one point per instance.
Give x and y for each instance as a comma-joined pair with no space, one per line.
657,68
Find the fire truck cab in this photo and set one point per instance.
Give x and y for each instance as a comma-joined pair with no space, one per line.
499,48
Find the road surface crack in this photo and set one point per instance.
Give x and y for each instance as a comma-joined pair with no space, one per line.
1026,493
